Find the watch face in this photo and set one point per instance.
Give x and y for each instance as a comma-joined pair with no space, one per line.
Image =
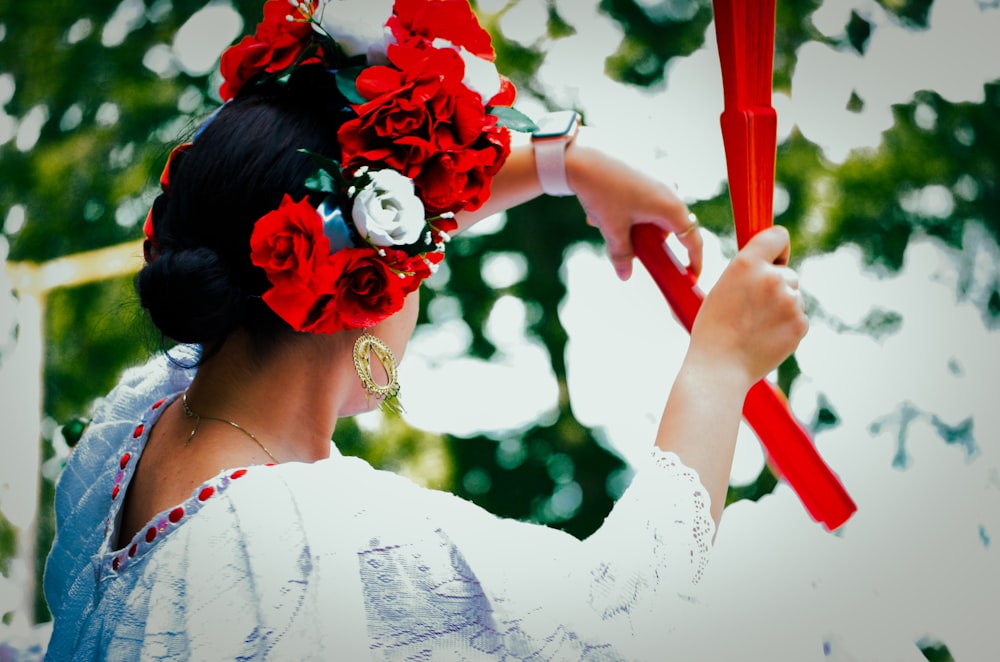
553,125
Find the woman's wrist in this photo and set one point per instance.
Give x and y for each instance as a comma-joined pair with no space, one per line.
594,159
727,374
580,156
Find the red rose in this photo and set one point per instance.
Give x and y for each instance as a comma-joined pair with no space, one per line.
422,121
448,19
288,243
285,39
507,94
416,268
367,291
460,178
303,308
459,112
276,45
276,13
240,63
448,225
317,292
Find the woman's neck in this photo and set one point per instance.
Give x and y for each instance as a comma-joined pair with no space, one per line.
290,400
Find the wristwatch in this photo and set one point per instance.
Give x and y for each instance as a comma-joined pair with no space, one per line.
555,133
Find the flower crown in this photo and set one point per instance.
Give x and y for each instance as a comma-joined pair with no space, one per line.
428,130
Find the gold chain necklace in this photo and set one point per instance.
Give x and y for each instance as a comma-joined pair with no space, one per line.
189,413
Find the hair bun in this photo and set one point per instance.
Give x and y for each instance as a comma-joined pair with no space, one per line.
191,296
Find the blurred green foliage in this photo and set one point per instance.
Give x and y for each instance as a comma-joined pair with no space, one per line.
951,145
8,543
109,122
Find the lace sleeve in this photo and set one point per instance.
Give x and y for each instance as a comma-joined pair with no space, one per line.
666,489
630,583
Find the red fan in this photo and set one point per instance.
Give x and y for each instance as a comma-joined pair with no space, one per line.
745,31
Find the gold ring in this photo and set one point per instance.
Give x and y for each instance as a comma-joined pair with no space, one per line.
689,229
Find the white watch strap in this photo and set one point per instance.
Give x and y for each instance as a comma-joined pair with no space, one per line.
550,162
555,133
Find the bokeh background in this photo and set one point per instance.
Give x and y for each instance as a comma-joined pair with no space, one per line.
535,377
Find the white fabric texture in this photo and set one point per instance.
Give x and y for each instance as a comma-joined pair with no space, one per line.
337,560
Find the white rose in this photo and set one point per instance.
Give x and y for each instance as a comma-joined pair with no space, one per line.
358,26
481,75
388,211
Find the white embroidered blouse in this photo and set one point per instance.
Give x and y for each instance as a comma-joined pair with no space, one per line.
337,560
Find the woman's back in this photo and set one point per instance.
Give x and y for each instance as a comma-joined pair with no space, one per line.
302,560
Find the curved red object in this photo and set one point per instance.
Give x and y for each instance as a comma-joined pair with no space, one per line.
789,447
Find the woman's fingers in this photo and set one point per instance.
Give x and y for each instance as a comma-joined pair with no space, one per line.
791,280
618,236
694,245
617,193
755,315
771,245
790,277
621,255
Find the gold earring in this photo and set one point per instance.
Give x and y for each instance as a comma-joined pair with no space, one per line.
364,347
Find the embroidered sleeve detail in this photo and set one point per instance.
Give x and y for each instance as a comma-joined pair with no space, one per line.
686,479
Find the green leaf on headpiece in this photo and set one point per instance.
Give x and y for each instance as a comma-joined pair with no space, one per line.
512,119
328,178
347,83
321,181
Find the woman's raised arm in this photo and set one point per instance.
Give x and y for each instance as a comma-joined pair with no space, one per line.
750,322
615,194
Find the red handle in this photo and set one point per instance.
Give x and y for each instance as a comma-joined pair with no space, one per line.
792,453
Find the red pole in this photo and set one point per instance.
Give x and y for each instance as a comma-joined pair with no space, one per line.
745,32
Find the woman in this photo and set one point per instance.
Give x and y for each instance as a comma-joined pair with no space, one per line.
206,514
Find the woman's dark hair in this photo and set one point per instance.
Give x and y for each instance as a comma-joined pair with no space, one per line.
202,286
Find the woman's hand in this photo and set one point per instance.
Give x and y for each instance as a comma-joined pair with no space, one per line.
754,317
617,194
748,324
